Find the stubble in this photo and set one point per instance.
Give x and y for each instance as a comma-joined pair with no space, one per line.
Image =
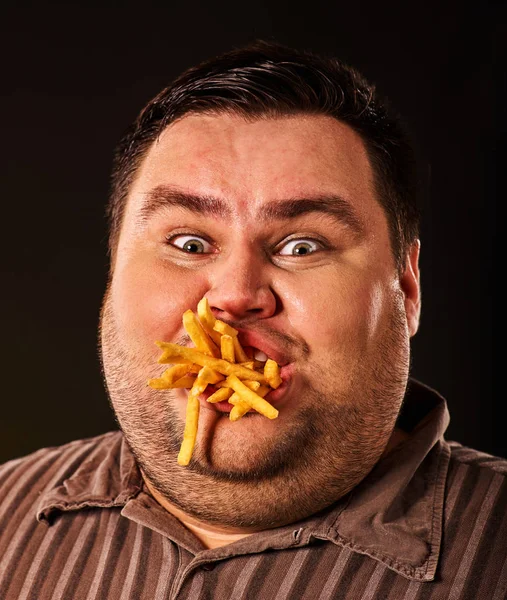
332,442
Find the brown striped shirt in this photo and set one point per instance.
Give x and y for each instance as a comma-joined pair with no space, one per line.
429,522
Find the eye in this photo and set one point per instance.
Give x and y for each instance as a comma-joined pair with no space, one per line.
192,244
299,247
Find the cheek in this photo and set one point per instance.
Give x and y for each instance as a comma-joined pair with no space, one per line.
148,303
336,314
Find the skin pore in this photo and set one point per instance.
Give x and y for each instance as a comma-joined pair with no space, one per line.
276,222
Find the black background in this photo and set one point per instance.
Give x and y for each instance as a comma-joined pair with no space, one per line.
73,78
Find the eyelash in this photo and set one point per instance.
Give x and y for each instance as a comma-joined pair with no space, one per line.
303,238
191,234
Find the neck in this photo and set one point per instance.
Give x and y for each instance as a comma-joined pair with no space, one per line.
211,536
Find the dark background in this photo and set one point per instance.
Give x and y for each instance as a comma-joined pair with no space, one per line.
74,78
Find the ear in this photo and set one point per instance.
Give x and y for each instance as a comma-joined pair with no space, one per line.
410,286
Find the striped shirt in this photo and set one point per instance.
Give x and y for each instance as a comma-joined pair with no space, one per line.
429,522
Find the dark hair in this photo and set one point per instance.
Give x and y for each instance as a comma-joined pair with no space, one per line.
270,80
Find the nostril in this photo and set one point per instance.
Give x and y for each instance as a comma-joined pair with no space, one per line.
234,303
232,311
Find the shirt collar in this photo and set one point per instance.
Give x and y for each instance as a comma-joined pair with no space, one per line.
394,515
108,477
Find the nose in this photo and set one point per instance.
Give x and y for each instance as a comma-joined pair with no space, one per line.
240,287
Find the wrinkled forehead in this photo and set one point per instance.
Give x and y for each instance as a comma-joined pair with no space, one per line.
247,163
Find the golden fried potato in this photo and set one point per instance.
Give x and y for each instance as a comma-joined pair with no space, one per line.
227,348
254,400
218,359
172,353
197,334
190,433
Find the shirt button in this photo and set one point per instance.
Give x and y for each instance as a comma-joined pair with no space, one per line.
208,567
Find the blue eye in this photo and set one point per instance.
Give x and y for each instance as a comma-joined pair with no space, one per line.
191,244
299,247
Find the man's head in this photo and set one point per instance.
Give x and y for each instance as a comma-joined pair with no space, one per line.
267,80
287,222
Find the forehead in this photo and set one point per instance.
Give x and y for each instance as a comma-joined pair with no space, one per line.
248,163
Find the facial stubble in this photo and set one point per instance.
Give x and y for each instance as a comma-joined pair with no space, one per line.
329,446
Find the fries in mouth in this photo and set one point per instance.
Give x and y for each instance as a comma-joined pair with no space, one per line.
218,359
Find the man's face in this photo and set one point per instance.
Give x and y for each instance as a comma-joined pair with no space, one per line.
276,222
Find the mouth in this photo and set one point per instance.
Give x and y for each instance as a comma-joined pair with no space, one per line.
274,397
263,348
259,349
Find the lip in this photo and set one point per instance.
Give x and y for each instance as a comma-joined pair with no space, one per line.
264,344
223,407
273,351
286,373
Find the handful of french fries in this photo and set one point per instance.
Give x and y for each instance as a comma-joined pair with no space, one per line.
218,359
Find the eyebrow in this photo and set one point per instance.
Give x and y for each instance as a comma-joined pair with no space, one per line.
336,206
164,196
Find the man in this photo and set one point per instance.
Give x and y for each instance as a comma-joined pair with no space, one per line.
275,184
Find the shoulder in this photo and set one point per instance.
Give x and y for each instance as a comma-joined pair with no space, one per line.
473,548
476,485
46,502
51,454
462,455
46,468
475,476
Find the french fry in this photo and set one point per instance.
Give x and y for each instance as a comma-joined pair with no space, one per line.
218,359
172,353
239,410
204,313
249,364
175,377
184,382
209,375
221,395
198,387
159,383
183,361
252,385
198,335
262,391
190,433
272,373
236,399
227,348
204,377
241,407
224,328
222,384
241,355
256,402
214,327
178,371
207,319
